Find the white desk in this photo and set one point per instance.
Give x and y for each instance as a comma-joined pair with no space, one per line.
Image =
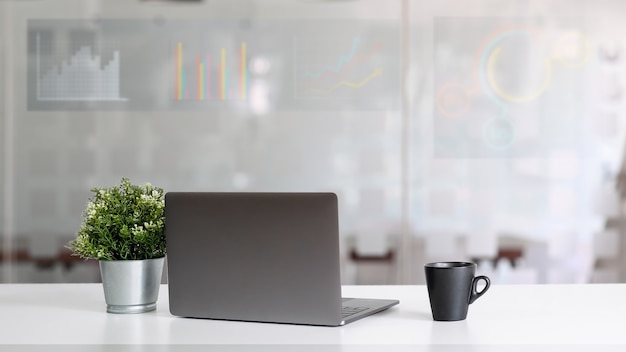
507,315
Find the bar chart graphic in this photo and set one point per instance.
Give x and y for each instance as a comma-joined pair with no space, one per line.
84,77
217,77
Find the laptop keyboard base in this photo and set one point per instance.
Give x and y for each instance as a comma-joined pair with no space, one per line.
348,311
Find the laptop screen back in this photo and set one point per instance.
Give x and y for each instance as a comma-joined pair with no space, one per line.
270,257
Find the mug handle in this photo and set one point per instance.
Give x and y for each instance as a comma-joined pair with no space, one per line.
475,294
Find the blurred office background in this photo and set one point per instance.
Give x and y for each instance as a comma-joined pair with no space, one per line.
489,130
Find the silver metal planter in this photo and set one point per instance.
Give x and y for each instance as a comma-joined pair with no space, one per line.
131,286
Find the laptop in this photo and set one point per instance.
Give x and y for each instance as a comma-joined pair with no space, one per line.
261,257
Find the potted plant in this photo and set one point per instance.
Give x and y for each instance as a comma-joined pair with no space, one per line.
123,228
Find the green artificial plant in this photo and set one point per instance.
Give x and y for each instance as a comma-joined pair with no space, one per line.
123,222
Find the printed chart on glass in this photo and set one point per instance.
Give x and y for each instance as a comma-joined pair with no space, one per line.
352,63
72,65
245,66
139,64
508,87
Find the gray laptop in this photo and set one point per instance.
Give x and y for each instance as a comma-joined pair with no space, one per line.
263,257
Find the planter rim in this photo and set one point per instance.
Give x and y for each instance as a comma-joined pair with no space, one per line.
129,260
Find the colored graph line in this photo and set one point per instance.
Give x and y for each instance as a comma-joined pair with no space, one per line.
199,79
488,60
227,91
377,72
356,60
223,75
586,50
343,59
487,45
511,98
462,98
483,67
243,72
498,133
179,71
183,92
207,77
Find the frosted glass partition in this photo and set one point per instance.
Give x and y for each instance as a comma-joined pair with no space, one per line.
492,122
510,119
215,96
4,134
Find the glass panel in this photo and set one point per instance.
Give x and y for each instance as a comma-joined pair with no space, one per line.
520,96
3,238
212,96
490,131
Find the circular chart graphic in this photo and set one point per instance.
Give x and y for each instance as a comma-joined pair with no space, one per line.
488,61
498,133
572,50
454,100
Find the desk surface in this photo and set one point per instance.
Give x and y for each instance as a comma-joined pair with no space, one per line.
541,314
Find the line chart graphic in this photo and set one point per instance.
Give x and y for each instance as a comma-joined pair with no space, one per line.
343,60
349,68
377,72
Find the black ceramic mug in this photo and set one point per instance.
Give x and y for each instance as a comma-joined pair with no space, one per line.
452,287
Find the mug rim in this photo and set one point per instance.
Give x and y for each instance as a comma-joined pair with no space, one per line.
449,265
